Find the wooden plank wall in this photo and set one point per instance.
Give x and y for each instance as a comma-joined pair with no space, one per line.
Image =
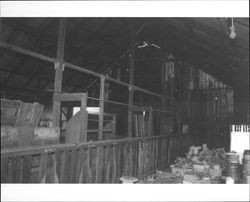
95,162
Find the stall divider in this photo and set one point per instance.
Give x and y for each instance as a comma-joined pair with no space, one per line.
90,162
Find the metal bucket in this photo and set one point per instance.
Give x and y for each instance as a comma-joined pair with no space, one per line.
246,166
246,155
233,171
232,158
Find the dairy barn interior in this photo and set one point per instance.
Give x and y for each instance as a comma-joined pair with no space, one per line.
124,100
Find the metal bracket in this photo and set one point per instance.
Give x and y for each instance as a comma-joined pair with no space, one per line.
57,65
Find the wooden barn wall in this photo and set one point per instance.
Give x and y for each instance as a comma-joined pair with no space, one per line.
207,106
241,105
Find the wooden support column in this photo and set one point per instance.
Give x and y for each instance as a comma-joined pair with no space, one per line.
150,125
59,67
101,106
84,120
131,81
114,126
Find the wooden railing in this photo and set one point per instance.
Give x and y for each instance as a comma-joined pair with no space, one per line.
91,162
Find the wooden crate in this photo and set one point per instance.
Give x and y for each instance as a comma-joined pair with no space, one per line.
10,111
16,113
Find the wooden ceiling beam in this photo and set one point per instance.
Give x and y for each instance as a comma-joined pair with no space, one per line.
196,59
38,71
192,52
219,49
211,53
93,34
39,34
32,93
78,68
96,81
36,76
48,38
245,24
138,31
97,29
211,35
71,50
21,63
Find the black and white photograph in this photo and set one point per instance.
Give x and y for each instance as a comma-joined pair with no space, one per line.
125,100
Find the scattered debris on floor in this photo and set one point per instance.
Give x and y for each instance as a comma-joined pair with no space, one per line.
164,177
202,166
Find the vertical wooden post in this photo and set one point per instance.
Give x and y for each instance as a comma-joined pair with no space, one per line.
114,126
101,108
150,122
59,67
84,119
163,90
131,80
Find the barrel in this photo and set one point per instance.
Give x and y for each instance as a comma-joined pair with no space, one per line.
246,155
234,172
246,166
233,166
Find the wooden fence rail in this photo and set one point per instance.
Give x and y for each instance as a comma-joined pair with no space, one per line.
91,162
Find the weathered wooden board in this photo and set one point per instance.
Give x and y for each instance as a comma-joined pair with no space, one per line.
9,136
10,110
4,169
68,97
74,127
27,164
30,114
27,136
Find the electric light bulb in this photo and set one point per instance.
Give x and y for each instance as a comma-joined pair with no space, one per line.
232,33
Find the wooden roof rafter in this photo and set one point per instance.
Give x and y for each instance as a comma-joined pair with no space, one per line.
40,34
21,63
213,54
76,68
202,62
219,56
218,48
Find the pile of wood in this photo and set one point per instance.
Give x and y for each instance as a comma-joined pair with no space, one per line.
19,123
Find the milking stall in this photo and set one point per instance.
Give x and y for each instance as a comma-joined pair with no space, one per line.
125,100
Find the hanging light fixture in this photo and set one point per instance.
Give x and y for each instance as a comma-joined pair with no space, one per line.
232,34
146,44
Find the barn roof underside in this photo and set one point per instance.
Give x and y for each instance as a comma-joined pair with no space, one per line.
96,43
